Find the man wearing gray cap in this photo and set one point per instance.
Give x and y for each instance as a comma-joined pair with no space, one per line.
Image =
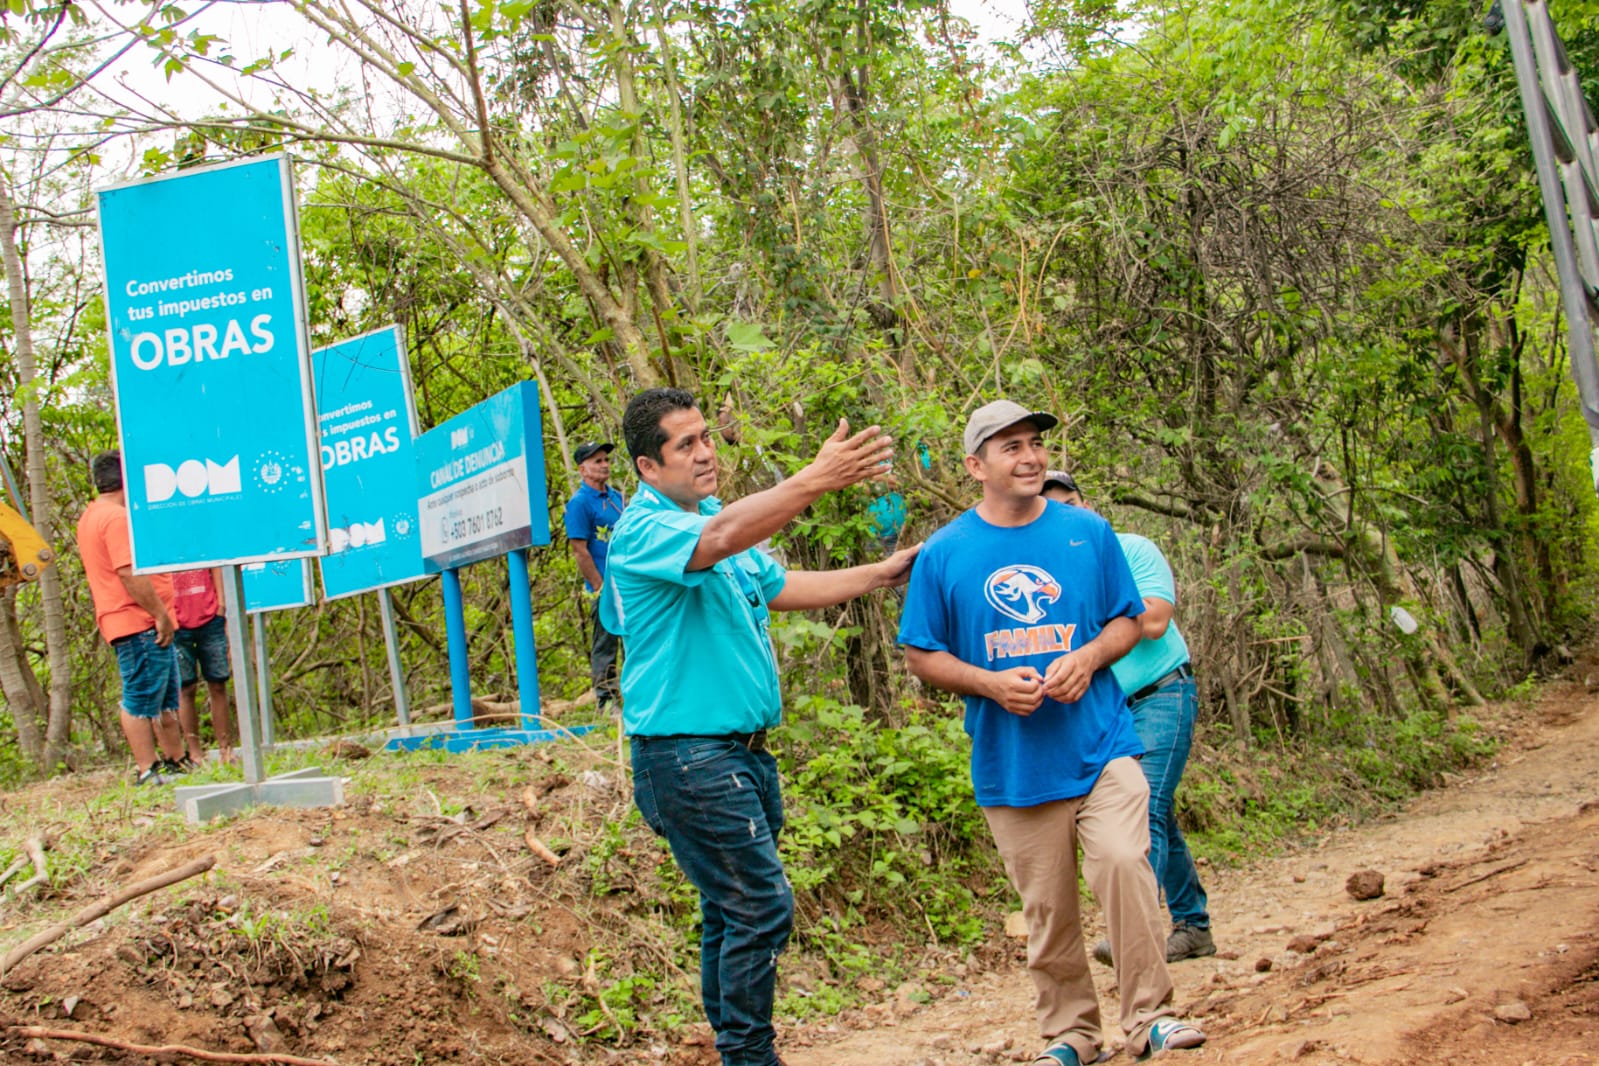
1021,606
590,514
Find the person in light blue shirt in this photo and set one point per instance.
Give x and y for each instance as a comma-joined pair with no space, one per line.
691,598
590,515
1159,682
1021,606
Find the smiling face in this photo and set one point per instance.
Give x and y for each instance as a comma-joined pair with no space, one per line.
1012,463
686,472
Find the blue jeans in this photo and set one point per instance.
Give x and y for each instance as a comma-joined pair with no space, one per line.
203,651
149,675
720,809
1165,724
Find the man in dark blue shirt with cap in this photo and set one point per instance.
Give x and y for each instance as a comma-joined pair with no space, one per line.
590,514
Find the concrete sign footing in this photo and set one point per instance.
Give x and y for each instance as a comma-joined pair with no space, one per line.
301,788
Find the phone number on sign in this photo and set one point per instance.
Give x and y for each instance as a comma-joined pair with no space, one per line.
468,527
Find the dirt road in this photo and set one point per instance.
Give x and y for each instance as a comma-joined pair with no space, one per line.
1483,949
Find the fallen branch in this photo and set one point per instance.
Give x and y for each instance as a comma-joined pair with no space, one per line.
1491,873
41,1033
33,852
539,848
41,870
101,908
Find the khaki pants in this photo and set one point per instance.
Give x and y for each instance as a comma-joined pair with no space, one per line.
1039,845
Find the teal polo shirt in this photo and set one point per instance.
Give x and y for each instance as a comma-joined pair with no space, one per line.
1150,660
699,658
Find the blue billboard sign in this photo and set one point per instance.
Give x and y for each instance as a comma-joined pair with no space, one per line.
368,423
477,476
210,367
277,584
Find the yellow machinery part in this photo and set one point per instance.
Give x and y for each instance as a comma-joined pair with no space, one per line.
24,554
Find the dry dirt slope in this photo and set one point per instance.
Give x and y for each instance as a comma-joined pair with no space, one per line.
1484,949
391,932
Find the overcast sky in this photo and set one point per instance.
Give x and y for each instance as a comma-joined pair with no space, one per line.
254,28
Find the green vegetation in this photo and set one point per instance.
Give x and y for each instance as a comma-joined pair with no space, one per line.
1281,267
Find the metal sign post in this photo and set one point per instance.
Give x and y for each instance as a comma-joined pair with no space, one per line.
1564,148
301,788
263,678
244,687
391,644
275,586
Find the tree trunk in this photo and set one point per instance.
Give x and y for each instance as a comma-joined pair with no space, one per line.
1494,422
18,684
853,87
59,723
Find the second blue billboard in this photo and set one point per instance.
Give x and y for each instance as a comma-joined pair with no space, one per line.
367,423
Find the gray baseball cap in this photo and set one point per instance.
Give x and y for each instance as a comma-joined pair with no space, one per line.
990,418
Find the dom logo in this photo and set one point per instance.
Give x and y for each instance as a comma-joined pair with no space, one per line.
356,535
1021,592
192,478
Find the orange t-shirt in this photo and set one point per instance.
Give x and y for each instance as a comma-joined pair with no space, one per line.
105,546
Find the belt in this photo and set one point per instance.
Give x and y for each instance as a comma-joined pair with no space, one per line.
1185,670
755,741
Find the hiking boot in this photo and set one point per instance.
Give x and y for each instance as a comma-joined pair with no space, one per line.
1103,956
1169,1034
152,776
1188,942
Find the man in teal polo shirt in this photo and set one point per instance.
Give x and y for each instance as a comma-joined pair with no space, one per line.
1159,682
686,590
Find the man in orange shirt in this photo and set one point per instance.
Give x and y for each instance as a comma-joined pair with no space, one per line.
135,617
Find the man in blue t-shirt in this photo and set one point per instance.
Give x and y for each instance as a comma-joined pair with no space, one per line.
688,592
1021,605
590,514
1159,683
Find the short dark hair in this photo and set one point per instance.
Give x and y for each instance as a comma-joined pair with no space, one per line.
107,471
641,422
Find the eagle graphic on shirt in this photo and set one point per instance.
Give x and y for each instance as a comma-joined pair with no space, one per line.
1022,592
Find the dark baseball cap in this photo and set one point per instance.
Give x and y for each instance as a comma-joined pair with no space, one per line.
1061,478
590,449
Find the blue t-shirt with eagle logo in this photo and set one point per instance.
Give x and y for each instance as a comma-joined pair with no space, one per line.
1003,596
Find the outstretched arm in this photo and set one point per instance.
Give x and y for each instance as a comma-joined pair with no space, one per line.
807,589
843,461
